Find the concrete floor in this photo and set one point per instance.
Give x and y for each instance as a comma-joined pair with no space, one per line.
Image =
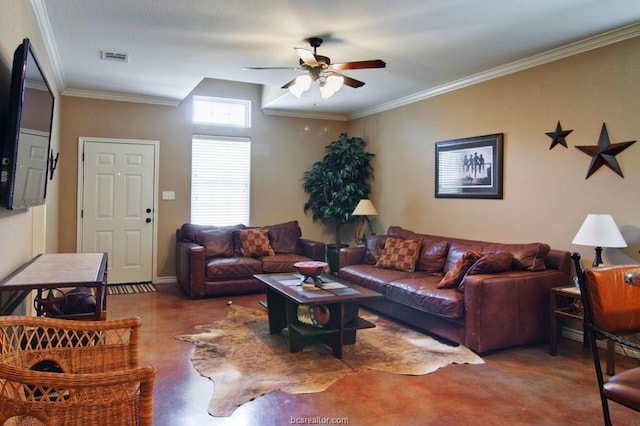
518,386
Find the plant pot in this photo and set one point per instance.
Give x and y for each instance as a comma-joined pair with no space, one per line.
333,257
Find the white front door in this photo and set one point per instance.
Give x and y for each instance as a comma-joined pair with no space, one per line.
117,206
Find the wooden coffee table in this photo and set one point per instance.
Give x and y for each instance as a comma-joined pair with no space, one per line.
284,297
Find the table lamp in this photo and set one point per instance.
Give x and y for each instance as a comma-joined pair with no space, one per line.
364,209
599,230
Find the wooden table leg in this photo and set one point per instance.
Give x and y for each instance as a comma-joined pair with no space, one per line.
553,332
611,357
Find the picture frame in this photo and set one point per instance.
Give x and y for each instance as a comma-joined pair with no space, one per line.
470,167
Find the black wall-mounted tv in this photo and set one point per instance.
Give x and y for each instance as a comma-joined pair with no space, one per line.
26,139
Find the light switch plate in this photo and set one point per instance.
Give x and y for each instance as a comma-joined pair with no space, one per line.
168,195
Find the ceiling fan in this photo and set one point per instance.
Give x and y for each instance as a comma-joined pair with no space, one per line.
319,68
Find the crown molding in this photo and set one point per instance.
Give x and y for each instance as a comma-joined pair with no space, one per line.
566,51
121,97
305,114
40,11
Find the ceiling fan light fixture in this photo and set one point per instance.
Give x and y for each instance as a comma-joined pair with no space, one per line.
331,85
302,84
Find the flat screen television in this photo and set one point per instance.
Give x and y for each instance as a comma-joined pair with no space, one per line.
27,135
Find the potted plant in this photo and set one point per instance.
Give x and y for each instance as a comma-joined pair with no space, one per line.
335,186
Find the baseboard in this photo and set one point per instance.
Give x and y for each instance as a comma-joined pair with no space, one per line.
165,280
578,336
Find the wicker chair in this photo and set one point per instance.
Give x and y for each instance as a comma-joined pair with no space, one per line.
62,372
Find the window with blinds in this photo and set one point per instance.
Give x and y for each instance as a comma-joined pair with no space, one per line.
220,179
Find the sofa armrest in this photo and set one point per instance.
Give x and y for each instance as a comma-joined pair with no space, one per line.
351,256
190,268
315,250
560,260
509,308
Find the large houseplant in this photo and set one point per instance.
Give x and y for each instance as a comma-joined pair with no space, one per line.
337,183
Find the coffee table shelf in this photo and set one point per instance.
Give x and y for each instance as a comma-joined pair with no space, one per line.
340,297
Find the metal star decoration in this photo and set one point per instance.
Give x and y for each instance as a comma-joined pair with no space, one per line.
558,136
604,153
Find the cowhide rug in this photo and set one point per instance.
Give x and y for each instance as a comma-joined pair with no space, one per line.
244,361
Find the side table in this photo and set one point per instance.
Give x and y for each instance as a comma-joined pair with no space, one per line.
566,302
60,270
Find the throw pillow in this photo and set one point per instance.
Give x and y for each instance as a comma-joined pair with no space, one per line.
455,275
254,242
528,257
490,263
400,254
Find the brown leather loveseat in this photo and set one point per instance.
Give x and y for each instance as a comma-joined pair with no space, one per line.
483,295
217,261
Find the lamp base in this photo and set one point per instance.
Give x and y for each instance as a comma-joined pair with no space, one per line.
597,261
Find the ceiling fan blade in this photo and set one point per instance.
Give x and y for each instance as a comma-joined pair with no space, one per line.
306,56
352,82
269,68
358,65
290,83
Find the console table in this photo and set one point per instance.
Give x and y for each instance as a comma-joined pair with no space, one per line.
57,271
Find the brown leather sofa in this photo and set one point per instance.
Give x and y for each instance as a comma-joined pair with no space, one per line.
494,305
213,261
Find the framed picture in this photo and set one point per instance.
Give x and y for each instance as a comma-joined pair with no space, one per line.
469,167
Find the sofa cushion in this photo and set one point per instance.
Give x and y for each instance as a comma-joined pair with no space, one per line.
285,237
455,275
279,263
217,241
232,267
529,257
254,242
372,277
375,247
433,256
188,231
423,293
400,254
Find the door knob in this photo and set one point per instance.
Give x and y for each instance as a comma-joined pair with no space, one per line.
148,220
148,210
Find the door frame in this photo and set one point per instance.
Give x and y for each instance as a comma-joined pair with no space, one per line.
156,176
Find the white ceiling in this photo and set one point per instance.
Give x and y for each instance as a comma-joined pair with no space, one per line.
429,46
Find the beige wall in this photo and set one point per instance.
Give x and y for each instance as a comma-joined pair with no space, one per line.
546,196
282,149
24,233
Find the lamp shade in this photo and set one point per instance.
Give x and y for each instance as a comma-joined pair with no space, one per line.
599,230
365,208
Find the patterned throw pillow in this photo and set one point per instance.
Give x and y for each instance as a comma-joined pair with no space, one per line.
255,242
400,254
455,275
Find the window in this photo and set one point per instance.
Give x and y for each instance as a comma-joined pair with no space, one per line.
220,179
219,111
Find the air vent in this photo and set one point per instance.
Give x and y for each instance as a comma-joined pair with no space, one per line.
114,56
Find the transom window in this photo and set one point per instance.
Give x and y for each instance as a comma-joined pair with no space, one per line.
220,111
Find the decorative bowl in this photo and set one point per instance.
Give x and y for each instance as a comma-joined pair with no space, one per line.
310,268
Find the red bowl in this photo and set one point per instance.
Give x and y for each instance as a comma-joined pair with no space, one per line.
310,268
